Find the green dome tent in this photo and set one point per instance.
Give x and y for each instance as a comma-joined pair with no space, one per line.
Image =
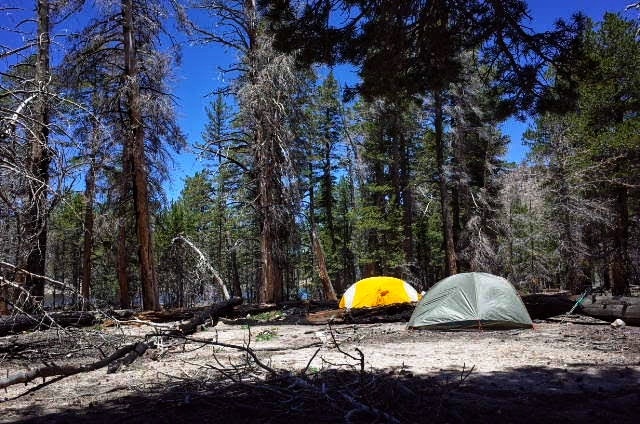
471,300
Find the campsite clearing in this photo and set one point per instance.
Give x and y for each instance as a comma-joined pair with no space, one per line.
581,371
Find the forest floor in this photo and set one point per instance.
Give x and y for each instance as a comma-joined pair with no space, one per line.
577,371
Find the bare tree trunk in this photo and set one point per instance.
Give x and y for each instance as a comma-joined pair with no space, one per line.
272,273
407,199
150,296
236,290
4,296
447,226
122,265
216,276
39,161
327,287
88,230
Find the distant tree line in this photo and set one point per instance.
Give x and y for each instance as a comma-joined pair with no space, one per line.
309,186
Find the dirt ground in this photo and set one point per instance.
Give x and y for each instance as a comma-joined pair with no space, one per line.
580,371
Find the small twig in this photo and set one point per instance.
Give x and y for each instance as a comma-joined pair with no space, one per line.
250,352
304,371
360,359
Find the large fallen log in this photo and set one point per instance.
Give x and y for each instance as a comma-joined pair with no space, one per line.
191,318
25,322
398,312
543,306
610,308
210,314
606,308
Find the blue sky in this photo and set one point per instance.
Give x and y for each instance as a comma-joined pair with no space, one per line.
544,13
199,74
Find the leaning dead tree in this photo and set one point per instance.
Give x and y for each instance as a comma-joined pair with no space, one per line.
318,251
205,262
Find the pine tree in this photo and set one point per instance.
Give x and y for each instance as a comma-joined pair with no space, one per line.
126,71
265,91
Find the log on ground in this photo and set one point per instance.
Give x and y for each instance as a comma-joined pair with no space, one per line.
610,308
399,312
543,306
24,322
209,314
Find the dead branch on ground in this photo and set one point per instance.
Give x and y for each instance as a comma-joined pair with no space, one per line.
123,356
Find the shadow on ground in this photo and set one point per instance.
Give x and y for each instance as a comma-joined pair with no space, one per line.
524,395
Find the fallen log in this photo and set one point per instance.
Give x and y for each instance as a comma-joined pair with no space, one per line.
123,356
211,314
543,306
26,322
610,308
398,312
325,317
606,308
191,317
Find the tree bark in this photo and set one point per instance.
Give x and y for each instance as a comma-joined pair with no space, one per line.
135,139
447,226
87,251
407,199
39,161
272,273
610,308
607,308
122,265
236,290
327,287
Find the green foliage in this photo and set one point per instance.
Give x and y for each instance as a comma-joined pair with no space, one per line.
266,335
290,155
588,159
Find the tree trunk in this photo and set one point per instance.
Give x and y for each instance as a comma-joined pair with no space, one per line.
87,251
407,200
620,260
39,161
272,273
135,139
609,308
16,324
327,287
235,276
447,226
122,265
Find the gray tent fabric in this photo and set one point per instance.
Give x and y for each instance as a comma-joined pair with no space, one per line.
471,300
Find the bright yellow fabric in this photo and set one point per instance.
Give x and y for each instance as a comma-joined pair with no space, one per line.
377,291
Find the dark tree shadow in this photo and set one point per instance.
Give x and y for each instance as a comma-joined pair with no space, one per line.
523,395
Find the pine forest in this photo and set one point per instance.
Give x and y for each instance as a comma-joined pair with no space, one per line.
331,141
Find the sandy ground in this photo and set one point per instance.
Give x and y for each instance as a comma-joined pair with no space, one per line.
570,371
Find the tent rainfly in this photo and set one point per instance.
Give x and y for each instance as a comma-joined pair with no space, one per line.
471,300
378,291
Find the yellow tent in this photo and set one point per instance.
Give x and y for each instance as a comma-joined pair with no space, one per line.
378,291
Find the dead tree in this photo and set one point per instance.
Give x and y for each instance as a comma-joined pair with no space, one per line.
205,262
